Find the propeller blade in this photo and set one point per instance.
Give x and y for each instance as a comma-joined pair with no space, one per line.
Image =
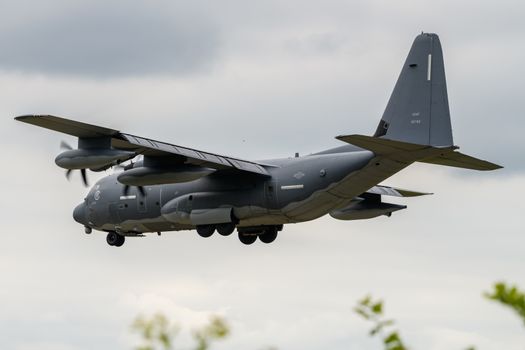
65,145
140,190
68,173
84,177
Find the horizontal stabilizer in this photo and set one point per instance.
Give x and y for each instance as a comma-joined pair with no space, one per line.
395,192
411,152
383,146
460,160
359,210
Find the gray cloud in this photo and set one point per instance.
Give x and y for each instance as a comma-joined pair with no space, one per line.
288,76
98,38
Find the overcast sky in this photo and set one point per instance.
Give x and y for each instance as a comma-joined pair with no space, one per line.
259,80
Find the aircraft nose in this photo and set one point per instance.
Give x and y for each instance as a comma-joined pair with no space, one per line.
79,214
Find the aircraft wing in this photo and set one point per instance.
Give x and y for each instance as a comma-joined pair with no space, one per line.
145,146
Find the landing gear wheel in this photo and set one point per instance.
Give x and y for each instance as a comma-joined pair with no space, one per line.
269,235
121,240
115,239
226,229
205,230
247,238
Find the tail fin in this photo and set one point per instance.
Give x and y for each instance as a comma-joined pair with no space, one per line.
415,126
418,111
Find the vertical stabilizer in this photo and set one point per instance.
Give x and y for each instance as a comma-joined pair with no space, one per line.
418,111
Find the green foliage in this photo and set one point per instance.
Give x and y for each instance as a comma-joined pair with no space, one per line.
373,311
217,329
158,333
509,296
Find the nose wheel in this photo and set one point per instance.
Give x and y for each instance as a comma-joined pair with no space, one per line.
114,239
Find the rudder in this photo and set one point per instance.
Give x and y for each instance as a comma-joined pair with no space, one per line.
417,111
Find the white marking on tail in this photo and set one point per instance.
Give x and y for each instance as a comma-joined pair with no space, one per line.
429,70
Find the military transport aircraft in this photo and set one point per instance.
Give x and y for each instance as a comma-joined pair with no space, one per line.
173,188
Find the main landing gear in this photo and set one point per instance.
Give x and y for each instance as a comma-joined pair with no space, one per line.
114,239
266,234
247,235
223,229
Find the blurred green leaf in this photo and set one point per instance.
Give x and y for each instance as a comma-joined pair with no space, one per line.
216,329
373,311
377,308
362,312
509,296
157,332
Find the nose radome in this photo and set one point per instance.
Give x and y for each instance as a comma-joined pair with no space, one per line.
79,214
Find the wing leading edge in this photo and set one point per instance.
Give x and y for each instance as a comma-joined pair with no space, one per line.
142,145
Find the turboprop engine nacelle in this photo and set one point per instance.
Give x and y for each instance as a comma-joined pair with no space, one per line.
148,176
91,158
364,209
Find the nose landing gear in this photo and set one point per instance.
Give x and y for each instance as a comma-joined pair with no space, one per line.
114,239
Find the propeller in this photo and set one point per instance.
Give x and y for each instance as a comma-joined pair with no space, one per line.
140,189
67,146
126,188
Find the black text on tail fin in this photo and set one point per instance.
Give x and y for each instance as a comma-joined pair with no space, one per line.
418,111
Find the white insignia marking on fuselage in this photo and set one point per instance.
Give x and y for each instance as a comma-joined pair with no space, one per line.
299,175
429,69
292,187
122,198
96,196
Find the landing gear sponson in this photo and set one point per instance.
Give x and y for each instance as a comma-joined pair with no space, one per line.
247,235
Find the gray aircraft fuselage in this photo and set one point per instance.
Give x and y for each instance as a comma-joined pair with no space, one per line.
298,190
